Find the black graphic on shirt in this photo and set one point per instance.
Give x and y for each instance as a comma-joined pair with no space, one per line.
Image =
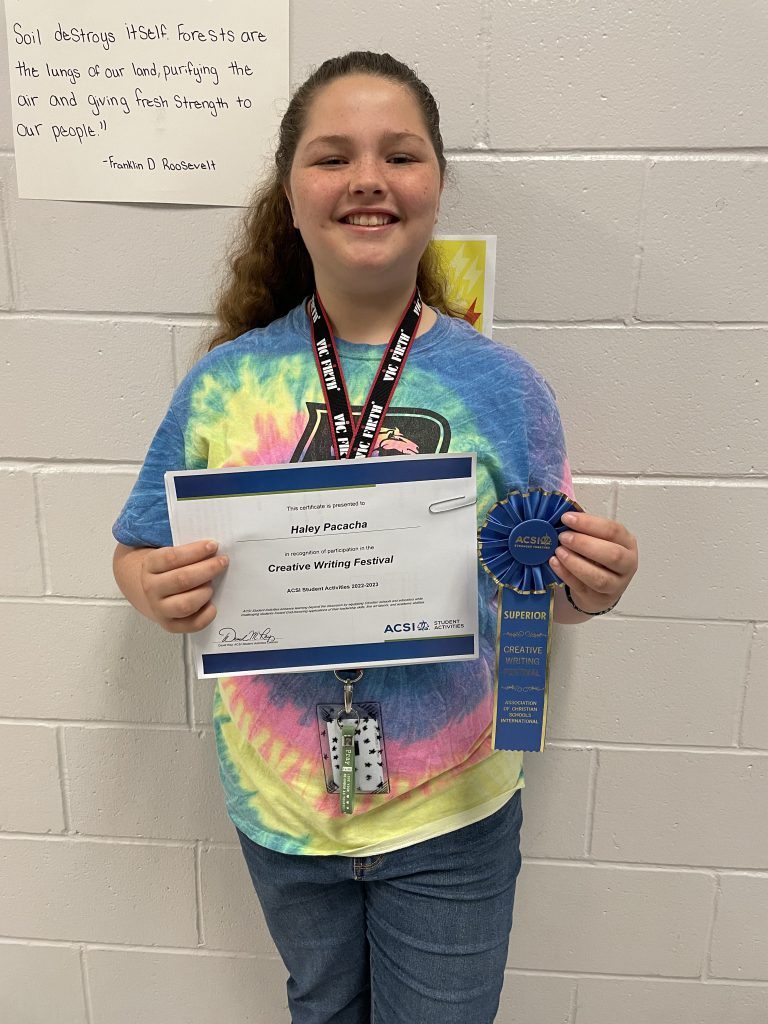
405,432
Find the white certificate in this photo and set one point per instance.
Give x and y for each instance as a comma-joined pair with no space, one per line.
335,564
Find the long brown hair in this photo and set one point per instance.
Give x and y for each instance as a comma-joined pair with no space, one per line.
269,269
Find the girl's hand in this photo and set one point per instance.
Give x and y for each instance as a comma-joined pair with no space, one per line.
177,584
597,558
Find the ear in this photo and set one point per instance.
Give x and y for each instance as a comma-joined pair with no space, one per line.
287,191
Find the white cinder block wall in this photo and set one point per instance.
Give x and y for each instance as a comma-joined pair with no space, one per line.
620,152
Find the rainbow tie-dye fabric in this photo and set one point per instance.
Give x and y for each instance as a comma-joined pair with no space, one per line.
257,400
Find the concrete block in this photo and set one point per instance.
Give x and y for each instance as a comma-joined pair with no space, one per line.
83,389
98,662
700,553
704,255
606,1000
22,566
680,808
615,425
611,920
754,729
534,997
202,698
555,803
567,233
190,343
185,988
594,498
98,892
80,553
30,797
232,917
626,75
740,939
40,984
647,681
152,784
443,43
116,256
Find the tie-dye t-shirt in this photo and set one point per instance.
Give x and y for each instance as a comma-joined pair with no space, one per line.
258,400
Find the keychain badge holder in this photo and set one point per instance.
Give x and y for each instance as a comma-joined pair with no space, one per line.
352,440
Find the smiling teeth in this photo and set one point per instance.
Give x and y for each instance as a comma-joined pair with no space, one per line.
368,220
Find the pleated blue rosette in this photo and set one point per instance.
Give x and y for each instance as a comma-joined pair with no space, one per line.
523,567
519,536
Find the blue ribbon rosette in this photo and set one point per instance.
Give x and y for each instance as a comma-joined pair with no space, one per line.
516,541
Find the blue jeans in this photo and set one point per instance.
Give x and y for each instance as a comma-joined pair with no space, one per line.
418,936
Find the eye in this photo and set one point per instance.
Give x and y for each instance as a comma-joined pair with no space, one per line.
331,161
402,158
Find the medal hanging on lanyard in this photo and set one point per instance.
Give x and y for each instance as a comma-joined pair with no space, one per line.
352,440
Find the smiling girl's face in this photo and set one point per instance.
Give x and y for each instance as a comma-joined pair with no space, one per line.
365,185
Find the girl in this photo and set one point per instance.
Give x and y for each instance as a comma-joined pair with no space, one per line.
403,909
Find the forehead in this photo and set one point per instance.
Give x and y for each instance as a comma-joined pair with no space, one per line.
355,101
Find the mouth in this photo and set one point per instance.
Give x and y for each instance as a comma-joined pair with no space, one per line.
369,220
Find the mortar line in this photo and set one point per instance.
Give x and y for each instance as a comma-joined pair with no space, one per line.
9,249
707,958
86,983
654,748
189,694
640,239
741,703
202,321
66,811
42,536
594,767
75,723
621,323
174,355
273,958
573,1008
485,36
43,464
502,154
233,954
199,895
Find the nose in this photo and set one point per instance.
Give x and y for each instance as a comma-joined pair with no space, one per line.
366,178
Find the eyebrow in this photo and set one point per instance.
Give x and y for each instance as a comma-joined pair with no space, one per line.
340,140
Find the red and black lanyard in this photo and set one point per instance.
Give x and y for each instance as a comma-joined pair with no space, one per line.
350,440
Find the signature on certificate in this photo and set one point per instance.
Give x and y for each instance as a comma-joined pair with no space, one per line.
228,635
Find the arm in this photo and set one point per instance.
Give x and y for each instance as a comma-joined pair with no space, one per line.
172,586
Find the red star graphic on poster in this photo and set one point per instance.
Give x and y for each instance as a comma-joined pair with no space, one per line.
472,316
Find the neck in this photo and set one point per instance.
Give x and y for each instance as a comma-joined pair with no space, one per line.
369,319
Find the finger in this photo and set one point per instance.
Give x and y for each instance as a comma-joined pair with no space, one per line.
587,574
182,606
602,552
189,577
598,526
192,624
159,560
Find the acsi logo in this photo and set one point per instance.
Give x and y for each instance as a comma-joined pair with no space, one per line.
400,627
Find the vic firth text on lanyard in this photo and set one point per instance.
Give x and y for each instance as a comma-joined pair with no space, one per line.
352,440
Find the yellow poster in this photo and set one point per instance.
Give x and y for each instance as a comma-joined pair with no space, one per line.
470,265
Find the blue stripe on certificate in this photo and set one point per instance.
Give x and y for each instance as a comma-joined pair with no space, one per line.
348,654
347,474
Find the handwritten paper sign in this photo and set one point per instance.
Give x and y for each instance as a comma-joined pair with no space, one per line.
168,101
